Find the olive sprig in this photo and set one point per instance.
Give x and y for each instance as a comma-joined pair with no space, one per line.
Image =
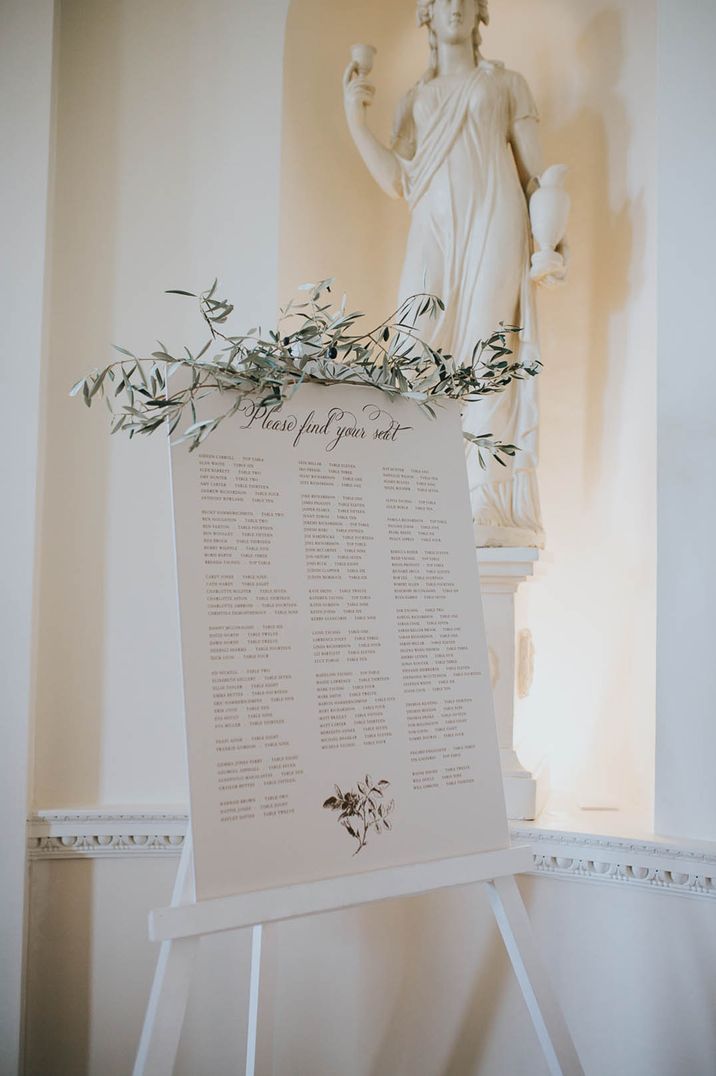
315,342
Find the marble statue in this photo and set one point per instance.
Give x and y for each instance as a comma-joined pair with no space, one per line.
465,154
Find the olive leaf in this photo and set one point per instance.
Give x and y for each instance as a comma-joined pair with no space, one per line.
314,342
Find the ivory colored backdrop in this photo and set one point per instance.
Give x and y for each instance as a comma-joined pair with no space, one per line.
159,183
634,970
591,66
166,172
164,177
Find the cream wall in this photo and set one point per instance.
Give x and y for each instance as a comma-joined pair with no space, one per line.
686,730
26,40
412,988
167,173
591,66
164,178
129,130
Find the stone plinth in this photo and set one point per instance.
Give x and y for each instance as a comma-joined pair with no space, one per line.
501,572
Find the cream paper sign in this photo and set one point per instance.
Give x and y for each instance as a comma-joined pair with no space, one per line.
338,705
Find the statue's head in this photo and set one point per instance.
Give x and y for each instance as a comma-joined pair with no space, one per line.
452,21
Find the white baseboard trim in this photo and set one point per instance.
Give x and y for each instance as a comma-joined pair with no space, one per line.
686,870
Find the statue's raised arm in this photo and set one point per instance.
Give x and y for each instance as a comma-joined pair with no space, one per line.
358,95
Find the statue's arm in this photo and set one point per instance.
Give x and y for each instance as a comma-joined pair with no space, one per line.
379,160
527,151
549,266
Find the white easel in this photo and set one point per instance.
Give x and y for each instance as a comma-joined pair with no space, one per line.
180,926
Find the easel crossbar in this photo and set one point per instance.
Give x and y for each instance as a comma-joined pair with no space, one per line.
311,898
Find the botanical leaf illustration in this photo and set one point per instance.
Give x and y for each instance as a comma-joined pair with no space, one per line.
362,810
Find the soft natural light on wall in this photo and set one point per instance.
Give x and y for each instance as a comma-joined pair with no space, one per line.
590,609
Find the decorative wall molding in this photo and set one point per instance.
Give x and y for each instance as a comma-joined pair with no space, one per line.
98,833
685,869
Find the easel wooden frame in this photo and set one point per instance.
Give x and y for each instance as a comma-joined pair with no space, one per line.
180,926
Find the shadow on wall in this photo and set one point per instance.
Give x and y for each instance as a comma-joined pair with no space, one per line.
72,595
74,517
124,226
425,959
336,221
57,1037
612,226
611,220
591,67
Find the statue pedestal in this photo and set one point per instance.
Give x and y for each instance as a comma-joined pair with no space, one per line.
501,572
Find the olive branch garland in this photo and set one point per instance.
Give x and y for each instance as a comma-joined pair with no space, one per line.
318,346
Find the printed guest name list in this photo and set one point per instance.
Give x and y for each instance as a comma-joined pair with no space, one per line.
332,631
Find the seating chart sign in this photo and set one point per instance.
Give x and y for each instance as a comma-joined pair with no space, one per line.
338,702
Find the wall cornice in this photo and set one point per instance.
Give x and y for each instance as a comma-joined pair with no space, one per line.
684,868
641,863
96,833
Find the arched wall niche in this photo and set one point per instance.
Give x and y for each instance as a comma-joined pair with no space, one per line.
591,66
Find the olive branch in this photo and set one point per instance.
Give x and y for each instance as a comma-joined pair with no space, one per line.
313,342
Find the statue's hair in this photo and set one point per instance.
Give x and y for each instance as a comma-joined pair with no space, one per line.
425,17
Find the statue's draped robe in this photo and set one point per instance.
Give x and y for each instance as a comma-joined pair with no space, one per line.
469,243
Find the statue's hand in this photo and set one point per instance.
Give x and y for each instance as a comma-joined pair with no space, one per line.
358,93
549,269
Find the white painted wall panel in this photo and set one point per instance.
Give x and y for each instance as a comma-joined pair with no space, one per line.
591,65
168,143
167,173
686,730
411,988
26,42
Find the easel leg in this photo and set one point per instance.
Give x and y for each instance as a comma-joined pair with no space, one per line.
256,938
550,1025
163,1021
